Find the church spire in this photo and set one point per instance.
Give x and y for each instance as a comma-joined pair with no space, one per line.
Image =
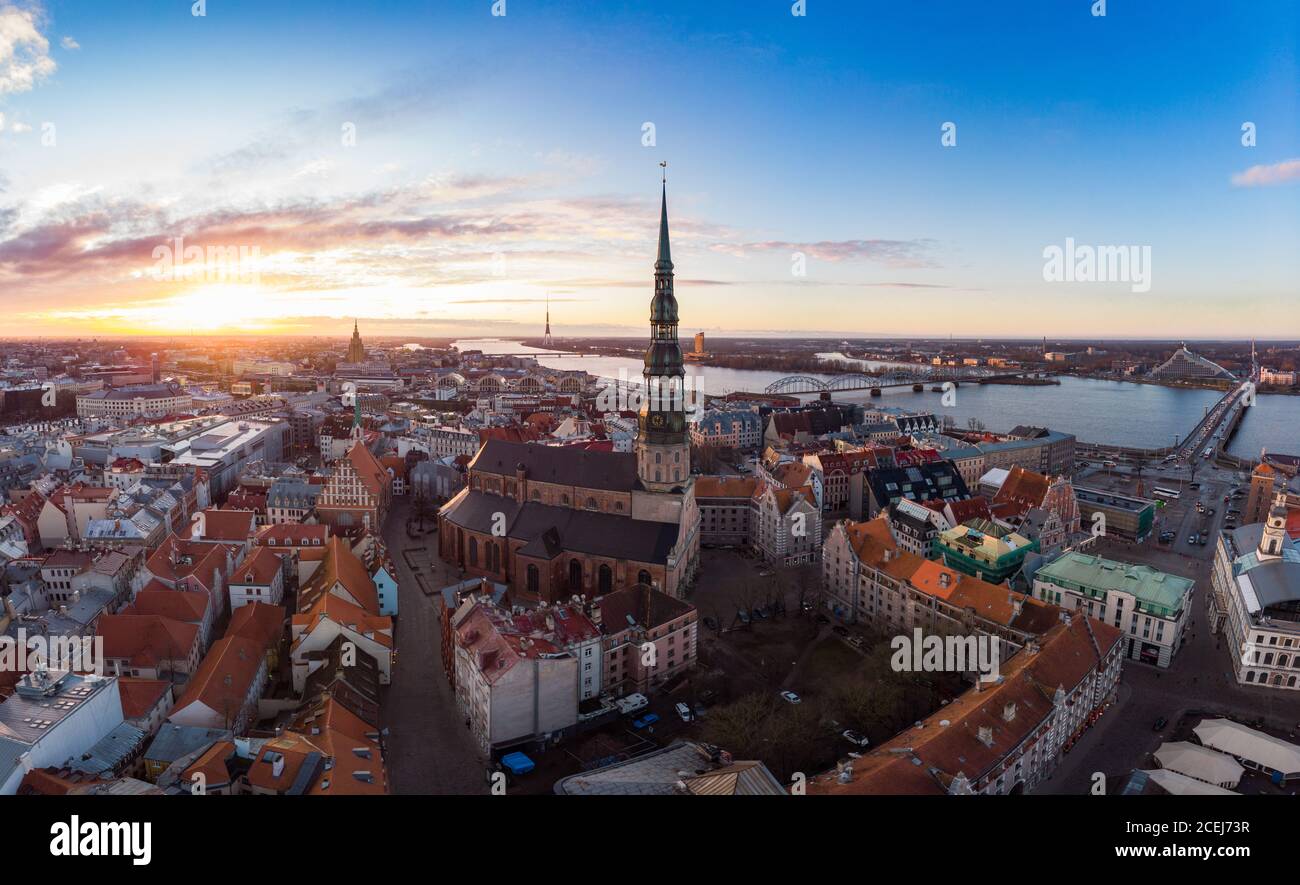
664,260
663,453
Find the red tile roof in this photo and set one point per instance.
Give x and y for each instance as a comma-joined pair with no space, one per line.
260,568
225,676
180,605
146,640
139,696
228,525
260,622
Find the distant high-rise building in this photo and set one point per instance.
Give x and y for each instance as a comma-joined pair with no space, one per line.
546,338
356,353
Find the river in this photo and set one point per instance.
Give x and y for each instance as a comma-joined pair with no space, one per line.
1111,412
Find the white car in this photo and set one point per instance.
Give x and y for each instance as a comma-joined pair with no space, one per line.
684,711
855,738
791,697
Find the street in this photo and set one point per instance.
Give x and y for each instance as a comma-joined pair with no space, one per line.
429,747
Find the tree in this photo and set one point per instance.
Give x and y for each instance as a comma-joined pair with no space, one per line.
422,508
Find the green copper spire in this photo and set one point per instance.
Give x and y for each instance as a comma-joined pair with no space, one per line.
664,260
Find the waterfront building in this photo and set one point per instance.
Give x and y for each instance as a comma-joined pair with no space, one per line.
1151,608
1050,452
1255,600
1184,365
1277,376
1125,516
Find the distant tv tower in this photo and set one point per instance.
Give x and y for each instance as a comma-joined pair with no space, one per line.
546,339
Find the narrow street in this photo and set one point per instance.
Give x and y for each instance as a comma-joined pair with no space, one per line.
429,748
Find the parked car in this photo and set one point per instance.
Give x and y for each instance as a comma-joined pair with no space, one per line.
840,630
1160,724
684,711
646,720
632,703
711,622
791,697
856,641
853,737
1191,540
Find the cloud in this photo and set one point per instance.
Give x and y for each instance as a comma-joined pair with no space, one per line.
24,50
894,253
69,43
1265,176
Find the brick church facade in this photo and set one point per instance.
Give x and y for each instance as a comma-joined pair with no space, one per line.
552,522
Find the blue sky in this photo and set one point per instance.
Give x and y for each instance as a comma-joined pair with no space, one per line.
498,159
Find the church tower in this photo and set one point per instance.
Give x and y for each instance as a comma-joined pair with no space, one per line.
663,450
1273,540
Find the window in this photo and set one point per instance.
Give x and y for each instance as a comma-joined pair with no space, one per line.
534,581
473,551
643,577
575,574
606,579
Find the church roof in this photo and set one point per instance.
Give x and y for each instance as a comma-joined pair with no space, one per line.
562,465
549,530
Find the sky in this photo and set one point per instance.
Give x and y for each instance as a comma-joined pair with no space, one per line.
432,169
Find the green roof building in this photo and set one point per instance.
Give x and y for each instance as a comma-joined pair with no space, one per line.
983,549
1149,605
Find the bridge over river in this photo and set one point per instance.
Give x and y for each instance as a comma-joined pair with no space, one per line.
920,376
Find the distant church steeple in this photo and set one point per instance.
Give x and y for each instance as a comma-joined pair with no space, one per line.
356,353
